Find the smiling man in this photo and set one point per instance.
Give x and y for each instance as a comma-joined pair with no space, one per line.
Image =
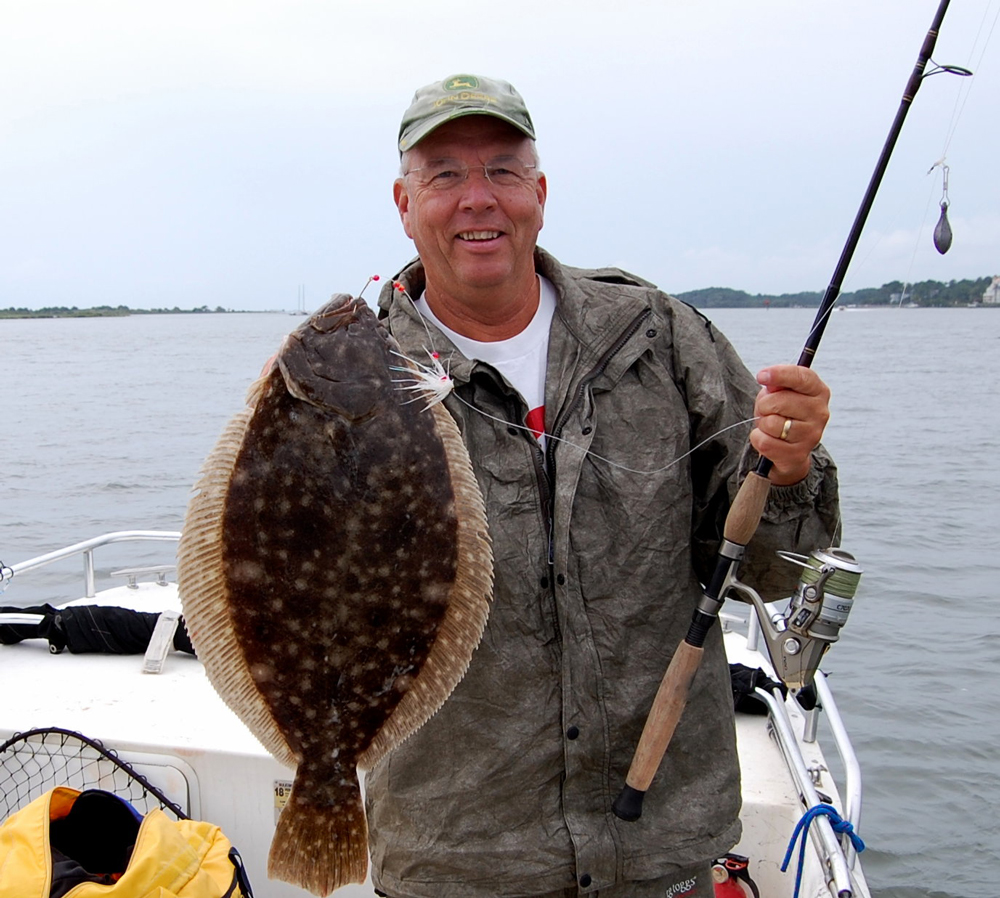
603,421
472,200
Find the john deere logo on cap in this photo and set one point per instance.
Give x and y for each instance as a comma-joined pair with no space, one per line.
462,82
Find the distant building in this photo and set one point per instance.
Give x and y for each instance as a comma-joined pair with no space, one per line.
992,295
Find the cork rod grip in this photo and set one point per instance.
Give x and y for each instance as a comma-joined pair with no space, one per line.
748,506
668,705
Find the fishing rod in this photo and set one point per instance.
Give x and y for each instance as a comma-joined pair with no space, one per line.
748,506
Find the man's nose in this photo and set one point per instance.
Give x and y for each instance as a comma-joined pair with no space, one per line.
477,190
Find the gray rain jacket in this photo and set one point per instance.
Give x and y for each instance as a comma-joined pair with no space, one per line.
599,549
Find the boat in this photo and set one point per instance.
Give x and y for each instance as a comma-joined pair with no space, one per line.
152,729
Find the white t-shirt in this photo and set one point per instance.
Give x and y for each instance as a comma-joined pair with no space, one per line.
521,358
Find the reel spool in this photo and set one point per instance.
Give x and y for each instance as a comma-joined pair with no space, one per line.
815,615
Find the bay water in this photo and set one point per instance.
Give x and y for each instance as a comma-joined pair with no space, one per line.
104,423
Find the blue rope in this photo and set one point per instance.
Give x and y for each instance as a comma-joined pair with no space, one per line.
838,824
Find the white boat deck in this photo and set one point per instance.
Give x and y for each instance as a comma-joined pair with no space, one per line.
171,726
176,731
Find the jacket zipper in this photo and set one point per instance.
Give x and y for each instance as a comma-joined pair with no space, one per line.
550,468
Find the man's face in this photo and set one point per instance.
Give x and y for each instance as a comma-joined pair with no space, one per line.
476,235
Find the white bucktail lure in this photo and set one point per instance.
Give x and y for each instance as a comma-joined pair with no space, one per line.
431,382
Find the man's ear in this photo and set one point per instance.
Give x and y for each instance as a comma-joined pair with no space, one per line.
541,191
402,200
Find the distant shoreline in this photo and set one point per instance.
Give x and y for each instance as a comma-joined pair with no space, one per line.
124,312
925,294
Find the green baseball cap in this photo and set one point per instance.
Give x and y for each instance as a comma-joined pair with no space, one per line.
460,95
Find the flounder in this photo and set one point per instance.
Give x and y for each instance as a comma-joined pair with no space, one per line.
335,571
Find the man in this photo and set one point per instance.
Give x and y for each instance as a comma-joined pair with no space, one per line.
580,395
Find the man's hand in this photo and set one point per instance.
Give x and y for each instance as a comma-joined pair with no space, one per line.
791,411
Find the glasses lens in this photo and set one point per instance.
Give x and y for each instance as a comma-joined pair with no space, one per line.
444,174
507,171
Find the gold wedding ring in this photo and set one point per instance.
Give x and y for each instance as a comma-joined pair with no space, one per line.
785,429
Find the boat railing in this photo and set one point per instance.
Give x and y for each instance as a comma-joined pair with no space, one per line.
838,854
831,851
852,768
86,549
852,787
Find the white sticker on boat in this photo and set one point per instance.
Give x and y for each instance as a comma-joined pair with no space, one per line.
282,789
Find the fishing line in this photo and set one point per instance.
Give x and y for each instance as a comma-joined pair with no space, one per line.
960,101
434,382
594,455
942,232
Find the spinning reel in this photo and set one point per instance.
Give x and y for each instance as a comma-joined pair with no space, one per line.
798,639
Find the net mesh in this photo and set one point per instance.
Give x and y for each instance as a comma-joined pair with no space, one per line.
35,761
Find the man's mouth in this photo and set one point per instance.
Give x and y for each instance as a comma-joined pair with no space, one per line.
478,235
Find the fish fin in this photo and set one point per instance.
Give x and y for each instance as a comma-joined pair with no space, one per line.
468,604
204,597
256,390
321,846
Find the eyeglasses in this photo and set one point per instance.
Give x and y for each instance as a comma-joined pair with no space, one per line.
504,173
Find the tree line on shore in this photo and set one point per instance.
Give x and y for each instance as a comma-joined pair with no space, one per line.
924,293
100,312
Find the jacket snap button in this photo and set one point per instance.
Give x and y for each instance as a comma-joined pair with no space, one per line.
512,431
651,333
572,732
585,880
544,582
586,430
561,579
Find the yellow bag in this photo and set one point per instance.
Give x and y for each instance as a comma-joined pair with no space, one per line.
170,858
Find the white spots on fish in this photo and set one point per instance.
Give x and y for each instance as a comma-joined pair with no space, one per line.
404,682
246,571
435,592
262,673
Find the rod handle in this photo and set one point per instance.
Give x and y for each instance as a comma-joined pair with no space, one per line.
747,508
668,705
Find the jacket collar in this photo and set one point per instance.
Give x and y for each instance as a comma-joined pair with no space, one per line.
595,309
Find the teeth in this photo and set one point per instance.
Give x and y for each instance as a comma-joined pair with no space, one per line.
479,235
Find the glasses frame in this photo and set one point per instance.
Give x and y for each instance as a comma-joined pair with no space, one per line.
459,166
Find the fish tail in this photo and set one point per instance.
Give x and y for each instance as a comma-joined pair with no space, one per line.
321,845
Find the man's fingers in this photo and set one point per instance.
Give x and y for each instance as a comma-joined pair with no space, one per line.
794,378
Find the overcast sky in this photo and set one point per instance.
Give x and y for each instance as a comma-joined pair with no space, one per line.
225,153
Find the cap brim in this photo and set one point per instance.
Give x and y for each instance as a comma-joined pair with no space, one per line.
412,137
